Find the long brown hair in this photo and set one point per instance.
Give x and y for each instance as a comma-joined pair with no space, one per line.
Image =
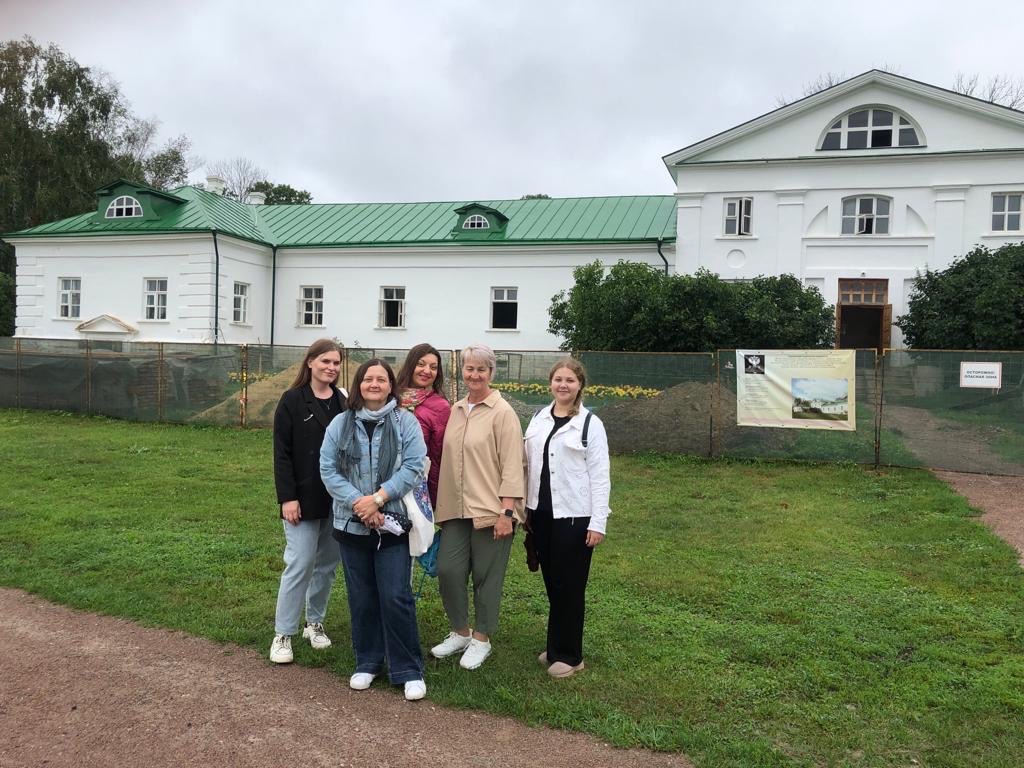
355,394
317,348
405,373
579,372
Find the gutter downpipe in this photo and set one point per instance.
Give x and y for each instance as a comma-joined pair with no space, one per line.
216,292
660,241
273,291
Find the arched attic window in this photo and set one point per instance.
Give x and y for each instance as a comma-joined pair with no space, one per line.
476,221
871,128
124,207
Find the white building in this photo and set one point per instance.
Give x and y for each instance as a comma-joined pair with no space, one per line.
853,189
191,265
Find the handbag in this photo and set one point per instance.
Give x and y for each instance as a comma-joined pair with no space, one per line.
421,515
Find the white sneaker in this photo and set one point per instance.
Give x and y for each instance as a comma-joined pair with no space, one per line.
281,650
475,654
316,636
415,690
360,681
451,644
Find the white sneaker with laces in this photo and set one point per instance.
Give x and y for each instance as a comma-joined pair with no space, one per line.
360,681
475,654
316,636
451,644
415,690
281,650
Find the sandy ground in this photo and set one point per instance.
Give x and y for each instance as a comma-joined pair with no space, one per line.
83,690
1000,499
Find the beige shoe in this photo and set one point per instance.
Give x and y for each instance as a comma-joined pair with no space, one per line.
561,669
543,658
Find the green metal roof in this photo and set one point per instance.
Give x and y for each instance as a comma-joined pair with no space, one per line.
547,221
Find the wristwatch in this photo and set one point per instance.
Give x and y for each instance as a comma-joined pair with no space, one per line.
508,513
378,500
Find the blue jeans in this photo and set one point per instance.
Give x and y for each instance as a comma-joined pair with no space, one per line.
310,560
382,608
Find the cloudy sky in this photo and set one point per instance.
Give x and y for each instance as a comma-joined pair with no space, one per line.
369,100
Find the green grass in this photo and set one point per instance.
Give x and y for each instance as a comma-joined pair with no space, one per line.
744,613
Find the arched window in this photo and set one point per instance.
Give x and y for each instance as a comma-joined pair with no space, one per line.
871,128
124,207
866,215
476,221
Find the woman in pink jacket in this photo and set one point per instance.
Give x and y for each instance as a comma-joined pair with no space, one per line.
420,384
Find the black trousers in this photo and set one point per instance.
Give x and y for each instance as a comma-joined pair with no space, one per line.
565,564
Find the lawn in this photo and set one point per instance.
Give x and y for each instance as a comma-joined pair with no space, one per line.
744,613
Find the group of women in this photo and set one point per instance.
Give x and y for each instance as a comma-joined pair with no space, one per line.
343,461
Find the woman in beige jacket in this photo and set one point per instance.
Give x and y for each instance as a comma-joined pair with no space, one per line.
479,501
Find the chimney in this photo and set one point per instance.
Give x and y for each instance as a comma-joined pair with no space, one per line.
256,198
215,184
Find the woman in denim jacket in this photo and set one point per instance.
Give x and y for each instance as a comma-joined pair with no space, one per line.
371,457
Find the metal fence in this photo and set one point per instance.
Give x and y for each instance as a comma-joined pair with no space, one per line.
911,409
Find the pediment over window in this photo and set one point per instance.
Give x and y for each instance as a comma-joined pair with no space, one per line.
871,127
128,201
106,325
479,222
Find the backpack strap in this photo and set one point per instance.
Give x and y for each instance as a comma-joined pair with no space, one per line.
586,428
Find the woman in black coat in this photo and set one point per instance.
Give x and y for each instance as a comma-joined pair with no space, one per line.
311,555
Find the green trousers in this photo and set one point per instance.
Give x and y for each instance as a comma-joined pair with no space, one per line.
466,550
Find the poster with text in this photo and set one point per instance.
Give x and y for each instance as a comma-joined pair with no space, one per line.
797,389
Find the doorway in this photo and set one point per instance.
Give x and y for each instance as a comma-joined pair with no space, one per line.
863,314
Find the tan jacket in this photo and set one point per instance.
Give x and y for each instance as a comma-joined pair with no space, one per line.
481,463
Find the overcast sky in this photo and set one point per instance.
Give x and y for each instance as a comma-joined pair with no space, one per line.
368,100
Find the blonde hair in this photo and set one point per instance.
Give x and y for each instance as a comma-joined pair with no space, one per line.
480,352
579,372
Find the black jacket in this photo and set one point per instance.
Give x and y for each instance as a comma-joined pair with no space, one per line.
299,426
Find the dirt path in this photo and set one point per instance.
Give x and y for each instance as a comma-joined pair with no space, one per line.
944,444
85,691
1001,500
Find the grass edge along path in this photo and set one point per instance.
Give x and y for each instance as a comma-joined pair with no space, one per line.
744,613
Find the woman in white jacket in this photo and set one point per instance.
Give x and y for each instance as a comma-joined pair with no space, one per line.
567,490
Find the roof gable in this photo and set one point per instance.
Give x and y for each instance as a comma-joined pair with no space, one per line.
107,324
951,122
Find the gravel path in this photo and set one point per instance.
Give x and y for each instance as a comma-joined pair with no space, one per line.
80,690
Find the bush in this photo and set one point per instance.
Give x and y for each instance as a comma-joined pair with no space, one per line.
975,303
635,307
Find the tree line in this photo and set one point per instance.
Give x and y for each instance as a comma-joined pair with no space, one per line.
65,131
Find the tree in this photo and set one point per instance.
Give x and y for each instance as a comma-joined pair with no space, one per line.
998,89
975,303
282,194
7,304
56,118
636,307
240,175
165,168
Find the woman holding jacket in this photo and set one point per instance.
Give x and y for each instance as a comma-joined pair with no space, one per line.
567,490
371,457
310,554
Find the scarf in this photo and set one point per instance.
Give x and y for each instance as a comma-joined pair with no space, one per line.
350,452
411,398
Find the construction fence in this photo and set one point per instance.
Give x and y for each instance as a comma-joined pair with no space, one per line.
911,409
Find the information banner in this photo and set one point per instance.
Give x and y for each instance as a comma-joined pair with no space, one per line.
797,389
981,375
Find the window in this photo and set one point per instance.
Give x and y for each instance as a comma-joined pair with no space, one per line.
241,307
392,307
863,291
476,221
156,298
737,215
70,297
504,308
1006,212
124,207
866,215
871,128
311,305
